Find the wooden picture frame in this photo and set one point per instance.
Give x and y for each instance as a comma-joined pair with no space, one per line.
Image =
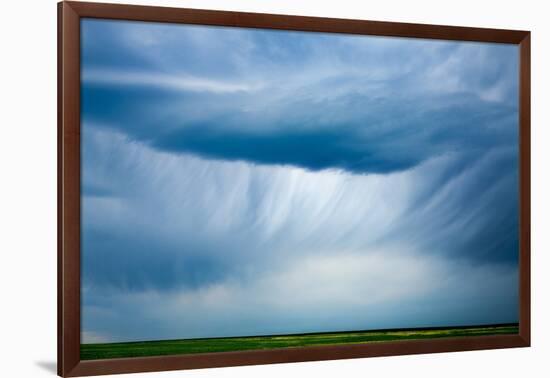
69,175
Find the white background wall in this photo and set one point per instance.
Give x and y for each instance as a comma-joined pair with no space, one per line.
28,186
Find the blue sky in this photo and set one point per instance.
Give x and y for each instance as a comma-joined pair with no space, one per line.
244,182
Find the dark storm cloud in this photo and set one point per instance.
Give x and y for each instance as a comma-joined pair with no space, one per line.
372,136
315,109
362,145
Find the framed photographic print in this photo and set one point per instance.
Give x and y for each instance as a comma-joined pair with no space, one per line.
239,188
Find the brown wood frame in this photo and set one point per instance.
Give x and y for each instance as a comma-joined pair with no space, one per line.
69,14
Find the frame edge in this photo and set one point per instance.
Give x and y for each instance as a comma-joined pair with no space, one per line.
525,187
290,355
68,207
294,22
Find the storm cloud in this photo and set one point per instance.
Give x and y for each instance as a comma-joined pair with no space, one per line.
242,182
312,100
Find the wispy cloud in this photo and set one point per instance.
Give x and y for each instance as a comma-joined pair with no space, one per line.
180,82
253,235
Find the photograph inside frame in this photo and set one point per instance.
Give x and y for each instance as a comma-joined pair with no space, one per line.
250,189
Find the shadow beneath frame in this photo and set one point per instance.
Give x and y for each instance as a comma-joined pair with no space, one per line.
49,366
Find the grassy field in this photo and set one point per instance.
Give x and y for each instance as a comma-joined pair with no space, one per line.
167,347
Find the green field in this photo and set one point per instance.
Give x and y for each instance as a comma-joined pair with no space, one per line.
167,347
